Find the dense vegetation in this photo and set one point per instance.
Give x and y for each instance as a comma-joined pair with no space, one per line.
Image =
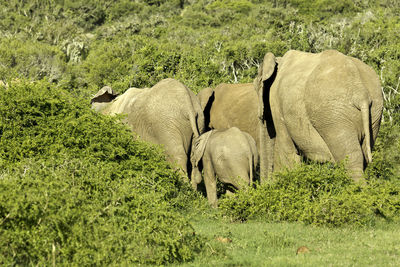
320,195
76,188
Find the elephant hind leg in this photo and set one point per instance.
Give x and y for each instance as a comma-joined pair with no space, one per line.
344,145
210,181
178,157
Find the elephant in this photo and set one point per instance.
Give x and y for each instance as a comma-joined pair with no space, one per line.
230,155
323,107
167,114
233,105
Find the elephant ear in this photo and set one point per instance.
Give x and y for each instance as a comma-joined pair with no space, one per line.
104,95
198,148
268,66
262,84
205,96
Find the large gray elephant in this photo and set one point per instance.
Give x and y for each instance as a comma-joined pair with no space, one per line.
230,155
167,113
325,107
233,105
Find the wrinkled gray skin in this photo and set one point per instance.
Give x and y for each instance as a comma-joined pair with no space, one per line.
324,106
168,114
229,154
233,105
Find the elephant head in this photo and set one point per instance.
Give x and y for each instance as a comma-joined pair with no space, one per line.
102,98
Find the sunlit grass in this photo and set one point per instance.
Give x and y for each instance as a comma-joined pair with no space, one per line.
256,243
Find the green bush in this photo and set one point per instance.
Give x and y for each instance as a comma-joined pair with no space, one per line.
320,194
109,64
76,188
242,6
321,9
71,211
123,8
30,60
386,159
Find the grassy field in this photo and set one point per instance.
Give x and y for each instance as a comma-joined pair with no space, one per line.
256,243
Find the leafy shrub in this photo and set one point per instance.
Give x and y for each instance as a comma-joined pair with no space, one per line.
30,60
122,9
320,194
71,211
86,14
242,6
386,159
76,188
110,64
320,9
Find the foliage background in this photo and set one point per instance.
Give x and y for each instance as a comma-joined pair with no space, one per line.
71,48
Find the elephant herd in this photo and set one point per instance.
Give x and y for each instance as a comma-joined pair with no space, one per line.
322,107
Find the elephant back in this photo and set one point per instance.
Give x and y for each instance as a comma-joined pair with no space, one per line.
123,102
340,82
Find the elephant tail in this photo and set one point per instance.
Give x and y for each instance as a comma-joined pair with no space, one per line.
251,165
365,115
198,148
193,124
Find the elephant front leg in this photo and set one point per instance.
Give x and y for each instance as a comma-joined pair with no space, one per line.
285,152
265,152
211,183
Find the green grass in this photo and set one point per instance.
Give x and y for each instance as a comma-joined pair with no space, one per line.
256,243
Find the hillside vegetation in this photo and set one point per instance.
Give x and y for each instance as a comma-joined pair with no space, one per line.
75,188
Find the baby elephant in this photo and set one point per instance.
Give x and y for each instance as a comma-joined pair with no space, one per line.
229,154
